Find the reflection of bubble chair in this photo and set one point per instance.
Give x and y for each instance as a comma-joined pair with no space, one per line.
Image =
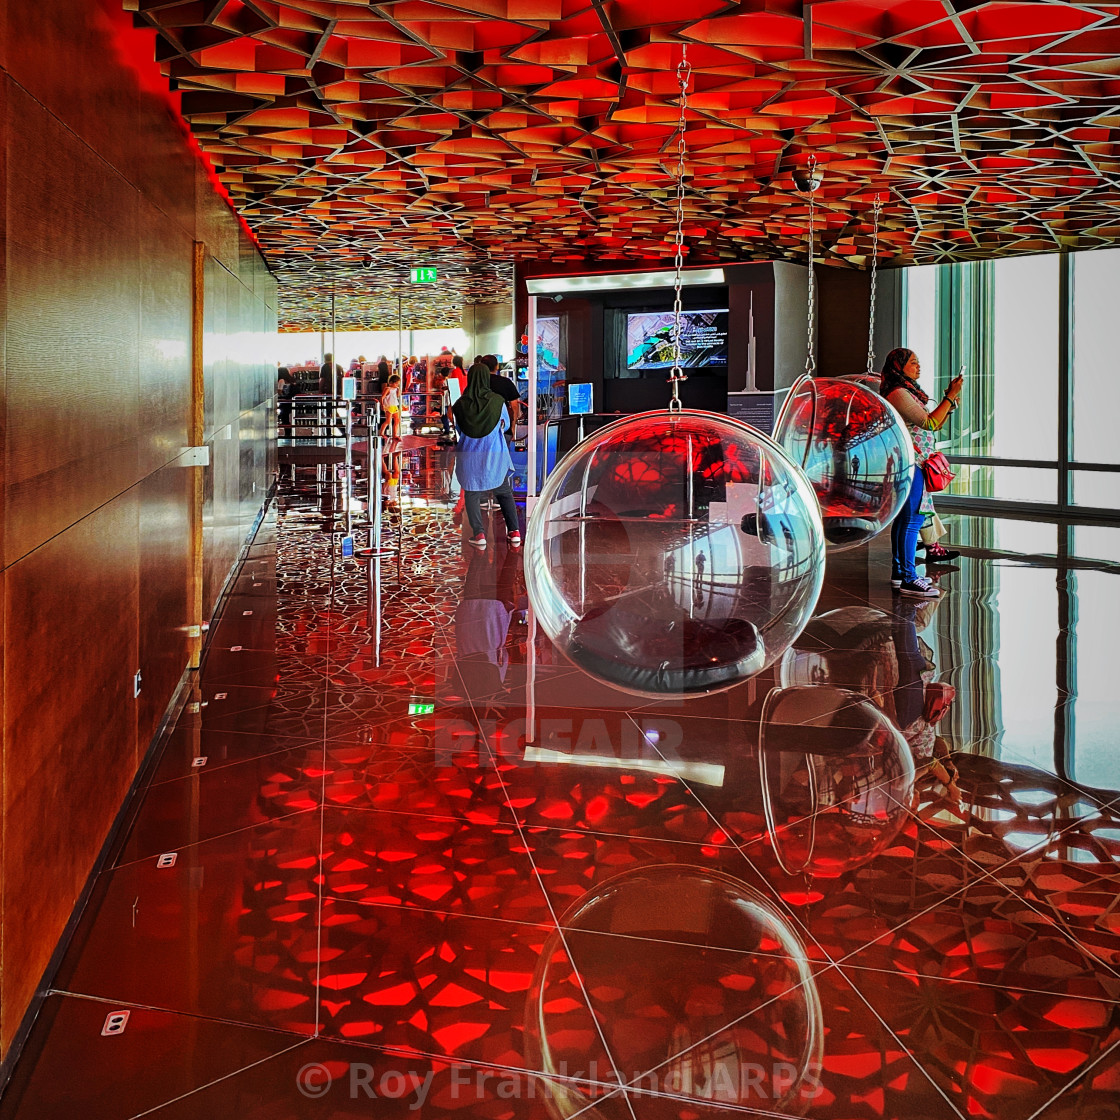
837,778
870,381
854,449
674,553
698,988
850,647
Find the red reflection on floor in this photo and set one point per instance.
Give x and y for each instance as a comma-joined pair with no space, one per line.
425,865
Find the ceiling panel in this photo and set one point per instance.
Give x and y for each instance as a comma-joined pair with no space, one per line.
360,140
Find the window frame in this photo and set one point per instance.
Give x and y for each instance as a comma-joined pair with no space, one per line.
963,314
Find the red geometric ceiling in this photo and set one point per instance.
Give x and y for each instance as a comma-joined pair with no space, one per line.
469,134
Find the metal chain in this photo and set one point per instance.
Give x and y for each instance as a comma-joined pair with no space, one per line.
874,278
810,349
677,374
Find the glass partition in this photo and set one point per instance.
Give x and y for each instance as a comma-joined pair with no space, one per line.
1035,335
1096,383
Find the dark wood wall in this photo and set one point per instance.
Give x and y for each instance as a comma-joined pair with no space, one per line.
104,199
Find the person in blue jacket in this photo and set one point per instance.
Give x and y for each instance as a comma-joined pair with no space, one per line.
482,460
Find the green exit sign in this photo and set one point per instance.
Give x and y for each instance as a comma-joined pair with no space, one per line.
420,707
423,275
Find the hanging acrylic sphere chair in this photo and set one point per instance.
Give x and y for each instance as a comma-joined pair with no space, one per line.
855,451
674,553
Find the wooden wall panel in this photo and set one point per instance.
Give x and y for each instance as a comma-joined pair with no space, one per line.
95,399
166,176
212,330
74,313
164,567
220,515
247,258
253,468
69,729
5,85
225,298
51,45
165,339
215,223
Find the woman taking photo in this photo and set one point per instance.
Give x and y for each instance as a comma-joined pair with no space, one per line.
483,463
900,387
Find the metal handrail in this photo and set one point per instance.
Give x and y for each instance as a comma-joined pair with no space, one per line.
581,417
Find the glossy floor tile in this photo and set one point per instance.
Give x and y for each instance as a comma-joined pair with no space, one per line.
424,866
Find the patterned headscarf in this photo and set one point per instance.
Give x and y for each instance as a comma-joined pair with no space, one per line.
894,377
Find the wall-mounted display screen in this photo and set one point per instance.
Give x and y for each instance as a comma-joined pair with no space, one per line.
548,345
649,340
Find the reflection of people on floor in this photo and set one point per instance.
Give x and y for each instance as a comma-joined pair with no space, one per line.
285,393
482,621
920,702
882,657
391,479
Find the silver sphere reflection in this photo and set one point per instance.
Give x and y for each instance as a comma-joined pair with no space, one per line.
854,449
674,553
837,778
700,996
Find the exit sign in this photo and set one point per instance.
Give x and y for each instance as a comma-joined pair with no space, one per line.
423,275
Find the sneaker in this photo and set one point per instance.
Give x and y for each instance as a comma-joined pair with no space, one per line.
478,540
514,539
896,582
920,588
939,554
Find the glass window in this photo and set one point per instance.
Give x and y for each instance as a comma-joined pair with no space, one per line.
1099,489
1001,321
1025,359
1008,484
1096,389
920,328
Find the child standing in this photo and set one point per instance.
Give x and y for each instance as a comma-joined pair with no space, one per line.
391,407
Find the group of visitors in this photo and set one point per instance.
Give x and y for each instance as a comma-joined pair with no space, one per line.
486,408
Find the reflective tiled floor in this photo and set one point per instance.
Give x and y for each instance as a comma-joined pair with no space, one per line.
424,867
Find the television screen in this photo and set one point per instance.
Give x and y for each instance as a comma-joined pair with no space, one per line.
548,345
580,398
649,340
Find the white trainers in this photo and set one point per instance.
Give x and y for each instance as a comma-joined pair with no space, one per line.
920,588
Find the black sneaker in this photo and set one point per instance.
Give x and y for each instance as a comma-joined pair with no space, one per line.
920,588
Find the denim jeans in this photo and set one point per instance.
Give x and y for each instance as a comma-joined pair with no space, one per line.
905,529
473,502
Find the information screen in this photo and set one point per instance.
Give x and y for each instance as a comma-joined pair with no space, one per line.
649,340
581,398
548,345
